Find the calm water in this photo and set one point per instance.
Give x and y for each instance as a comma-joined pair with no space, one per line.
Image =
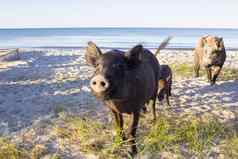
110,37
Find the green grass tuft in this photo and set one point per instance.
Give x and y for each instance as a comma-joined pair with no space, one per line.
177,136
229,74
170,135
230,147
10,151
186,71
160,137
182,70
199,136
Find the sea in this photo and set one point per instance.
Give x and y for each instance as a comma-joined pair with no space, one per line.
115,38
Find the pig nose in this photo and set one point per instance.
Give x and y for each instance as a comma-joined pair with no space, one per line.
99,84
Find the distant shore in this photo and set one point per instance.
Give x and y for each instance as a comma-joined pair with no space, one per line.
112,38
106,48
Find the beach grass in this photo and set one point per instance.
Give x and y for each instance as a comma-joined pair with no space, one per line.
185,70
229,74
9,150
230,147
182,70
179,136
171,136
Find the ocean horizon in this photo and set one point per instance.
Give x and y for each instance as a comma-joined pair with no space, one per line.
111,37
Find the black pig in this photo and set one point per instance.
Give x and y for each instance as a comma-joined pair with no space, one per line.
125,81
165,83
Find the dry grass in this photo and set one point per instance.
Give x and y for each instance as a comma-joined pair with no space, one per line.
9,150
186,71
177,136
180,136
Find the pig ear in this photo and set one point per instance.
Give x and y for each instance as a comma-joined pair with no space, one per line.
92,53
134,55
202,42
221,43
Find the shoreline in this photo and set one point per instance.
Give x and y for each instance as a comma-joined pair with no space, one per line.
106,48
116,27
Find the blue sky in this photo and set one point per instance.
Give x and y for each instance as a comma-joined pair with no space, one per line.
120,13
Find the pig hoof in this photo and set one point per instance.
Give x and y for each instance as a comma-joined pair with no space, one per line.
153,121
132,153
212,83
144,110
123,136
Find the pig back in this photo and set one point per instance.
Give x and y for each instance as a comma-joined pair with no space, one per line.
143,80
151,60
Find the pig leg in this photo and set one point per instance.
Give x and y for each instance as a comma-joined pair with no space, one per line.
152,102
167,97
196,66
134,120
217,71
196,70
209,74
170,85
119,123
144,109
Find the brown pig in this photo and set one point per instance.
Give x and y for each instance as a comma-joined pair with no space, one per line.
210,53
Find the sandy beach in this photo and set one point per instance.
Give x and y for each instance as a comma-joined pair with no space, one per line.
45,81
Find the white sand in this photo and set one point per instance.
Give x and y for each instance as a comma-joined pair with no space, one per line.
48,79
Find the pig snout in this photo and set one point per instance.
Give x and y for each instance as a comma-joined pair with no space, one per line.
99,84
